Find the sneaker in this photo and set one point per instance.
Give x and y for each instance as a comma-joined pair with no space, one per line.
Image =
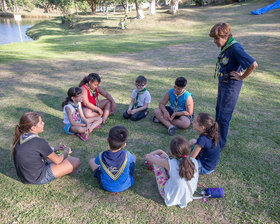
155,120
172,130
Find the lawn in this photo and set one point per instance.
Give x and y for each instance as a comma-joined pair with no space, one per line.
35,76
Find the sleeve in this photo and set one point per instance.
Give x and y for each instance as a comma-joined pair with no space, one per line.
148,98
97,161
130,157
44,148
134,94
201,141
244,59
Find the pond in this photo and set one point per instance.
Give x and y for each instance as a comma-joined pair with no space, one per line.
14,31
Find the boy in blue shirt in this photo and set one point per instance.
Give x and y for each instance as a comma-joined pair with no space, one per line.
114,168
180,112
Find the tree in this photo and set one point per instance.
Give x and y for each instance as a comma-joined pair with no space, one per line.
152,7
140,14
174,6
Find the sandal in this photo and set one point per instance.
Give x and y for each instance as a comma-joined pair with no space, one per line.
82,137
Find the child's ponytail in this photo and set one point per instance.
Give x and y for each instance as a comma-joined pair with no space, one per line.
180,149
65,102
27,121
211,127
186,168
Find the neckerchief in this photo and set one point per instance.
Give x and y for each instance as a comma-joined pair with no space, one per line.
230,42
77,115
113,163
176,99
26,137
137,96
93,93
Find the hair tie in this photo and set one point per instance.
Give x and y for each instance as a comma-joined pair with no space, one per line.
184,156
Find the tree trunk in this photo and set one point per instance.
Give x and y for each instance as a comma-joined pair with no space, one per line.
152,8
92,5
4,5
126,9
140,14
174,7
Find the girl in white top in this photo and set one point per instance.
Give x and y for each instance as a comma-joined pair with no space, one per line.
176,178
74,119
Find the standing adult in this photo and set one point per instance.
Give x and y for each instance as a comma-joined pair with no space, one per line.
233,65
31,153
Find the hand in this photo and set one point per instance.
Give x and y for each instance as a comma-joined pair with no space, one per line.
166,115
236,75
133,111
164,155
59,147
68,150
192,142
173,116
129,111
100,112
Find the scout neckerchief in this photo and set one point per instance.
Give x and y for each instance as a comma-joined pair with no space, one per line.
113,172
93,93
76,107
176,99
137,96
230,42
26,137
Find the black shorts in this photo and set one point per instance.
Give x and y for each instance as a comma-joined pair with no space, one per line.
170,111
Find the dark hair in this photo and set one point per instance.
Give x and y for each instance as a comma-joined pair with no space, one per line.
181,82
141,79
220,30
27,121
117,137
91,77
211,127
73,91
180,147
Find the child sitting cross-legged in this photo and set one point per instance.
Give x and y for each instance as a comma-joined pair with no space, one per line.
114,168
176,178
74,120
180,112
140,99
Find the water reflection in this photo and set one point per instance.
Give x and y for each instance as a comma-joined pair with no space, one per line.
14,31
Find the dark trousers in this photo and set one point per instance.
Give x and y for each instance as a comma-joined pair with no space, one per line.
135,117
227,98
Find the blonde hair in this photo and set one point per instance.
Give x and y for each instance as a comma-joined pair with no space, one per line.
220,30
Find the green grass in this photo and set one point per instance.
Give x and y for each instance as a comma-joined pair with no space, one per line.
35,76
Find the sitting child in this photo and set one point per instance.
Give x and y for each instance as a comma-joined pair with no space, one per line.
92,106
207,146
176,178
180,112
74,119
114,168
140,99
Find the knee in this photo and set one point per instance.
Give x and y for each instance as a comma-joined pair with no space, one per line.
74,161
157,112
125,115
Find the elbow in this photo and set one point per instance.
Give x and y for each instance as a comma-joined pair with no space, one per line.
254,65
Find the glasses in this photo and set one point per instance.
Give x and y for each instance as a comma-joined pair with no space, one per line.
140,85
